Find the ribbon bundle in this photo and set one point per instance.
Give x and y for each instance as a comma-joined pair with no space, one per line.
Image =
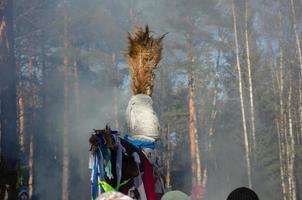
100,163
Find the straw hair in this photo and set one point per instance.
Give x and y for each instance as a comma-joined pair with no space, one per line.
143,55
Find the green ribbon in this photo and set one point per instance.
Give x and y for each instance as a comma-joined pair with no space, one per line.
109,188
108,166
106,186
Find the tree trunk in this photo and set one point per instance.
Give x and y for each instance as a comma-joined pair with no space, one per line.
250,79
76,87
198,163
8,105
287,155
115,103
213,115
298,46
281,154
280,120
65,178
192,128
168,159
195,163
245,135
21,111
31,127
21,122
281,126
211,130
291,148
77,131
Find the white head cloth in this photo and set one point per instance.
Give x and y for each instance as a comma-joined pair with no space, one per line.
141,118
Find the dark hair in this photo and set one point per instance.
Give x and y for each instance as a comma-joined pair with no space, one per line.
243,193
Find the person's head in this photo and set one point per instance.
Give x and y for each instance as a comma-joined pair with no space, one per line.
23,194
243,193
113,195
175,195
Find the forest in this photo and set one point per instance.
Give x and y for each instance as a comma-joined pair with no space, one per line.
227,93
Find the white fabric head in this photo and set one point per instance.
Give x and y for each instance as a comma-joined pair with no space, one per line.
141,118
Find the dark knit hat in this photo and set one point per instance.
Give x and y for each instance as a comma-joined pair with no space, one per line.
243,193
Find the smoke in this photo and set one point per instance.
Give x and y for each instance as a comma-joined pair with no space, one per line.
96,111
98,30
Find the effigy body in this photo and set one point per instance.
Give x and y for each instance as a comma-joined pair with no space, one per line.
127,164
143,56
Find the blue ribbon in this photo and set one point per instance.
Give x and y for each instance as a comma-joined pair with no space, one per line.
98,173
98,168
139,143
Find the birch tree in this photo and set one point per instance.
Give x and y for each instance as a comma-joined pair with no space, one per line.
240,83
250,81
280,121
291,148
299,52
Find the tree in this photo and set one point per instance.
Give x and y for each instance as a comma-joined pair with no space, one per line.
66,63
8,114
299,52
196,175
245,134
248,60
